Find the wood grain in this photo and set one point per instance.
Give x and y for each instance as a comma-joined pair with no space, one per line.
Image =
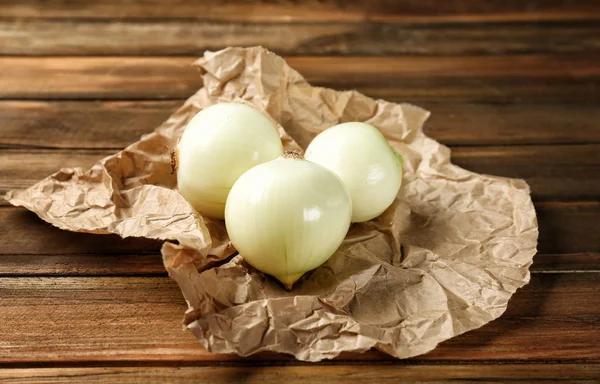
565,263
338,373
568,242
511,124
308,10
82,125
568,227
121,263
80,38
569,79
23,233
98,78
133,319
559,172
116,124
21,168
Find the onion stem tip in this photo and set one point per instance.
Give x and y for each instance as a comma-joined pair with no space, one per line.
174,159
292,155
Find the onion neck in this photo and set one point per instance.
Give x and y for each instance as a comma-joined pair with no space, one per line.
292,155
174,153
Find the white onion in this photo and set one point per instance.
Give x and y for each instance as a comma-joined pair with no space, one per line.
366,163
219,144
287,216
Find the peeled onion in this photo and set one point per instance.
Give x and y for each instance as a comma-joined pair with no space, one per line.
219,144
366,163
287,216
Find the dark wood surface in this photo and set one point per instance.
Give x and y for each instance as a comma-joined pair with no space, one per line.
78,38
426,11
513,87
536,78
129,319
361,374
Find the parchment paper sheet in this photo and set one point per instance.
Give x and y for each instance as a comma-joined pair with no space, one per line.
444,259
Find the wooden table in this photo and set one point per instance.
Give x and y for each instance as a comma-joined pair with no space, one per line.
514,89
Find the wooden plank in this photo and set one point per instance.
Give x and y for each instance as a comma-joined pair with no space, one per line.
338,373
568,242
120,263
568,227
116,124
98,78
80,38
133,319
530,78
559,172
23,233
21,168
565,263
571,79
83,125
511,124
143,263
308,10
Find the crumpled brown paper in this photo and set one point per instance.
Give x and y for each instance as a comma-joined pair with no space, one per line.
444,259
